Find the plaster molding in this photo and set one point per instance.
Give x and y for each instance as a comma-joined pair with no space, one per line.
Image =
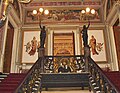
114,14
13,17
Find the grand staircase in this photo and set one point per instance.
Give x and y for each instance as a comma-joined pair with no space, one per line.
11,82
35,79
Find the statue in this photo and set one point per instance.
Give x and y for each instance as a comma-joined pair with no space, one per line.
42,36
85,35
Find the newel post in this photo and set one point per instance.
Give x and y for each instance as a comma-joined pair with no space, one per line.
86,54
41,53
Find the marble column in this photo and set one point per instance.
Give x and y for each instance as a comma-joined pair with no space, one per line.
50,42
77,41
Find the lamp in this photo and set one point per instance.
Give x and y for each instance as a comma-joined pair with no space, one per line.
40,12
88,13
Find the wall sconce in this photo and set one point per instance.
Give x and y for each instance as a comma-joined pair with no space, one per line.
88,13
40,12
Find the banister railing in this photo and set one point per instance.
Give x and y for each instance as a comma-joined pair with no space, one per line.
52,63
98,79
32,80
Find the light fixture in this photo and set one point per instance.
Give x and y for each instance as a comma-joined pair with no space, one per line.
34,12
83,11
88,13
93,11
87,9
40,12
46,12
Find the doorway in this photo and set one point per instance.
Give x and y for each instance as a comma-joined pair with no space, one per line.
8,49
116,30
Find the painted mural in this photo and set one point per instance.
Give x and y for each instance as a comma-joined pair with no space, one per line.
63,16
31,43
97,45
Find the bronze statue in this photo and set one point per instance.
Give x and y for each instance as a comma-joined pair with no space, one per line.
85,34
42,36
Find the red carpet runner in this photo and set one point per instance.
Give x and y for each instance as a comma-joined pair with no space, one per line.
11,82
114,76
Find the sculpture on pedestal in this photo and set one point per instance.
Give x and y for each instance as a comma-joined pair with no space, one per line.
42,36
85,35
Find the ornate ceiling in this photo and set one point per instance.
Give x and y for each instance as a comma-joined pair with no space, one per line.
60,3
61,8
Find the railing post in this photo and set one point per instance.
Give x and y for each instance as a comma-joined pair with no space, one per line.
87,54
41,53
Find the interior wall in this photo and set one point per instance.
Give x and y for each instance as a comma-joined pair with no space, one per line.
112,17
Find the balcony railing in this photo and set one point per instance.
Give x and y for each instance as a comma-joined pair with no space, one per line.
53,63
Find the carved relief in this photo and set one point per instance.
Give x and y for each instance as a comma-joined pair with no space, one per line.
63,44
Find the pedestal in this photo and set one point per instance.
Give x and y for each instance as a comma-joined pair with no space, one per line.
41,52
87,54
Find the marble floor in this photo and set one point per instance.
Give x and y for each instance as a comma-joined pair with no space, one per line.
66,90
74,91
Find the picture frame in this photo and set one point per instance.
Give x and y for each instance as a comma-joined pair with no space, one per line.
31,43
97,45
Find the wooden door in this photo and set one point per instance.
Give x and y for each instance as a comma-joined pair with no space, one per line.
117,42
8,50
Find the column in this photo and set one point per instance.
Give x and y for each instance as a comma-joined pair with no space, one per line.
50,42
15,53
77,41
3,46
113,53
